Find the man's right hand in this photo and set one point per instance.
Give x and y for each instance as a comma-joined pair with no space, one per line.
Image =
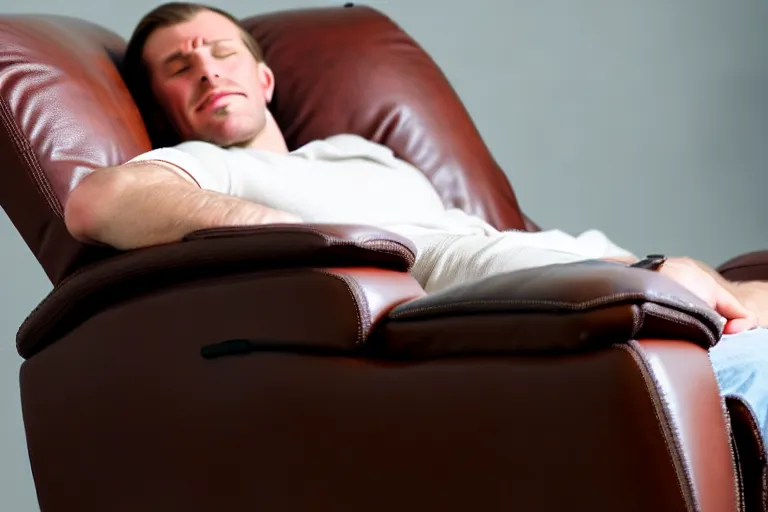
690,274
281,217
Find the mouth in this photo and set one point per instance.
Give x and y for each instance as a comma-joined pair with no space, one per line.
213,99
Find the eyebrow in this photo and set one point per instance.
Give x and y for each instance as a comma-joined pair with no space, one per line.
178,55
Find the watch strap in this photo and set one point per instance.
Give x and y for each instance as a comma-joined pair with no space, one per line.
650,262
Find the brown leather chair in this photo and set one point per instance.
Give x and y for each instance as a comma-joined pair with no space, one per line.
301,367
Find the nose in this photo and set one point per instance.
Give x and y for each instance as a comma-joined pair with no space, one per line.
208,72
208,69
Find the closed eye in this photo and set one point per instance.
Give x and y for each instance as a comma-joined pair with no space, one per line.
180,70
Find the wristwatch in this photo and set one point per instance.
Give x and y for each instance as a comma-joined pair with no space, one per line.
650,262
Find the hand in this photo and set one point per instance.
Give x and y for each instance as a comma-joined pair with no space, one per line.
689,274
282,217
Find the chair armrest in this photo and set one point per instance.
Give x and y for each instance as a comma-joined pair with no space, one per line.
530,225
350,245
752,266
559,308
205,254
627,345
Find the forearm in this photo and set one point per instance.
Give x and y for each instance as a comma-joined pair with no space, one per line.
150,204
165,214
621,259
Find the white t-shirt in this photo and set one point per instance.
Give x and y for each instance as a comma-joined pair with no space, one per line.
347,179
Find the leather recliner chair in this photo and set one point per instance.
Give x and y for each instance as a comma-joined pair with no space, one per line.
301,367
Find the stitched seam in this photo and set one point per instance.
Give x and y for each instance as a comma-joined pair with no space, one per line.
736,462
765,484
301,227
662,412
361,303
377,242
571,306
637,321
736,465
24,151
53,294
694,322
755,427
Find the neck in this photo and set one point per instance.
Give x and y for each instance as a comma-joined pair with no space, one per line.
270,138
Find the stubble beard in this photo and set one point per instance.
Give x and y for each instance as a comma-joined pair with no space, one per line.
222,111
220,114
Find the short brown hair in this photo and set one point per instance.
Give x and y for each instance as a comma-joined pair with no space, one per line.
136,74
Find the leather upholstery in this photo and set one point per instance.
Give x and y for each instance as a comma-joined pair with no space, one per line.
752,266
555,309
264,367
65,112
348,67
205,253
750,452
297,430
682,374
97,124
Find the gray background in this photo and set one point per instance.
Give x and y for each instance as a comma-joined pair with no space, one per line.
645,119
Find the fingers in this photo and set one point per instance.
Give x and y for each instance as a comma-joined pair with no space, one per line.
739,317
727,305
739,325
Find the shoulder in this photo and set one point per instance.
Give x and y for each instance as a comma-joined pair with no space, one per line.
355,142
203,161
193,146
347,145
196,149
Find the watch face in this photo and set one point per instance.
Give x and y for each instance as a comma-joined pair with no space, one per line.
651,262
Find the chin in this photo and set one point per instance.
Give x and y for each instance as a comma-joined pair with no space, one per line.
227,139
230,134
240,141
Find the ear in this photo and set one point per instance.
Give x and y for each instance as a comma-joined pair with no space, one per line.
267,81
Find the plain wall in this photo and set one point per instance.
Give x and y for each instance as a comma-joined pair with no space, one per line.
645,119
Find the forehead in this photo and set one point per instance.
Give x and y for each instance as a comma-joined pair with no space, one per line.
206,25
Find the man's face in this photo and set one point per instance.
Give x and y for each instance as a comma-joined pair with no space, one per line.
208,83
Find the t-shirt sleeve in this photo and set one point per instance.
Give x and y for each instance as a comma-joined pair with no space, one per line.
204,162
600,246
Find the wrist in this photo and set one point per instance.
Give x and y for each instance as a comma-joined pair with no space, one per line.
650,262
244,213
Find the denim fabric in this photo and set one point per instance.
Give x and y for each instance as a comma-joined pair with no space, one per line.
740,362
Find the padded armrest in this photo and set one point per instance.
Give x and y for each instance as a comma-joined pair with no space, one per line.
553,309
752,266
205,254
350,245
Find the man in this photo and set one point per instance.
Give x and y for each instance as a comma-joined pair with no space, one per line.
234,168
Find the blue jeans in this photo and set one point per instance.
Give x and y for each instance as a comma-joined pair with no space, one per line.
740,362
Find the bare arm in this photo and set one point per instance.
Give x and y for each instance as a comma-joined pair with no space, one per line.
744,305
151,203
